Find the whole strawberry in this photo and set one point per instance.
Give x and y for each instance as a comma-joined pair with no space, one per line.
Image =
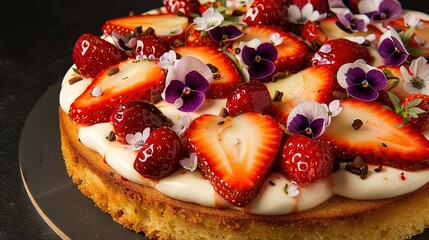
267,12
135,116
421,122
305,160
150,46
91,55
252,96
160,154
337,52
182,7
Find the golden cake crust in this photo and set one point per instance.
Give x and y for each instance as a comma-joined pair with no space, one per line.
144,209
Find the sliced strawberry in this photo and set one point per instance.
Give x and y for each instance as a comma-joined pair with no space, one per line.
163,24
160,154
332,31
135,80
336,56
134,116
379,140
305,160
314,83
421,123
267,12
311,31
226,76
252,96
91,54
291,52
185,8
235,154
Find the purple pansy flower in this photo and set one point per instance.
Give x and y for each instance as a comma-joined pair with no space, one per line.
352,23
259,60
186,84
225,34
361,80
392,49
308,118
380,10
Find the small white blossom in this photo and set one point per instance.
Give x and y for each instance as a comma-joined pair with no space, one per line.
167,60
276,39
411,20
190,163
301,16
333,110
326,48
209,20
137,140
416,78
185,122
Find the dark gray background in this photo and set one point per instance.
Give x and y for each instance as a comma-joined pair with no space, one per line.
36,40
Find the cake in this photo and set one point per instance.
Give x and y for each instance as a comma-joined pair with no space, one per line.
254,120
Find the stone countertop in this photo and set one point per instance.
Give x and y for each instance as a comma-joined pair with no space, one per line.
36,42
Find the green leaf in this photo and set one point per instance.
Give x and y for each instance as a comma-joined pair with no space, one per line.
414,51
394,84
76,71
388,108
395,100
223,3
406,37
414,102
416,110
387,72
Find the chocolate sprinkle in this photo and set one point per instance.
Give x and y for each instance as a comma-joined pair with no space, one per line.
358,167
112,71
75,80
357,123
111,137
213,68
224,113
277,96
378,169
271,183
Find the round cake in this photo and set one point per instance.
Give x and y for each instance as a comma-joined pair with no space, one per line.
254,120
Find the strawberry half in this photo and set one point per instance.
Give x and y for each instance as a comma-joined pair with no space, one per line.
163,24
305,160
151,45
226,76
291,52
135,80
379,140
91,55
314,83
235,154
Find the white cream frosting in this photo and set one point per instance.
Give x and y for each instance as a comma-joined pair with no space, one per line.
271,199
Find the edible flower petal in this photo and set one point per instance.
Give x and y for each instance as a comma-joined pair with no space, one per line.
411,20
184,123
416,78
392,49
333,109
167,60
137,140
186,84
190,163
380,10
301,16
352,23
225,34
361,81
308,118
209,20
260,61
276,39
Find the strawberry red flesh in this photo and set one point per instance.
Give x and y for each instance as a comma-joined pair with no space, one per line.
91,55
160,154
379,140
134,116
267,12
182,7
305,160
421,123
150,44
235,154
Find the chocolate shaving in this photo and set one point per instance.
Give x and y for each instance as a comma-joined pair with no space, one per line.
378,169
357,123
278,96
224,113
111,137
281,75
216,76
138,30
339,95
155,98
271,183
237,13
112,71
75,80
366,43
358,167
213,68
149,31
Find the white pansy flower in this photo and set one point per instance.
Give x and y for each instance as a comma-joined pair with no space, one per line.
416,77
209,20
301,16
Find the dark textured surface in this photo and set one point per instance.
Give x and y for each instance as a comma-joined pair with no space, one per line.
36,40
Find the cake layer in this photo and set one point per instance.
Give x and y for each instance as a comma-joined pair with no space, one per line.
144,209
